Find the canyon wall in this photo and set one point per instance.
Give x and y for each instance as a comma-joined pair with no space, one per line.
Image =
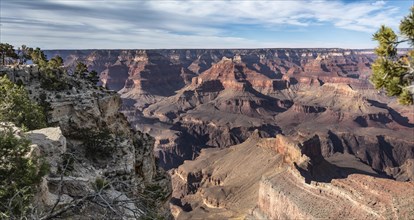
192,99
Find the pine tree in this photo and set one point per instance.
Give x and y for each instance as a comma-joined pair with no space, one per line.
392,72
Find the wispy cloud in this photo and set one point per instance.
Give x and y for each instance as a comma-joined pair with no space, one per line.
180,24
365,15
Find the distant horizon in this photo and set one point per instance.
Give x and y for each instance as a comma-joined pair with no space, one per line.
171,24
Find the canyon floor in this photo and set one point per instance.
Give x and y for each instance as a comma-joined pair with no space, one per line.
271,133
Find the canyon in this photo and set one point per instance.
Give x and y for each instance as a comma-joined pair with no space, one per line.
264,127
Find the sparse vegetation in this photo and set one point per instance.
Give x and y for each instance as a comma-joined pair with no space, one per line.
81,71
38,57
154,193
54,75
93,76
392,72
23,54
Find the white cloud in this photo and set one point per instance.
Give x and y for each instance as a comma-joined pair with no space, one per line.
379,3
180,24
366,15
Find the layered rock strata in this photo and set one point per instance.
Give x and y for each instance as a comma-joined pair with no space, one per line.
193,99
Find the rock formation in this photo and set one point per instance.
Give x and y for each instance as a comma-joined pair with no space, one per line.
99,167
285,178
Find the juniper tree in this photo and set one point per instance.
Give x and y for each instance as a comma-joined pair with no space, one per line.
81,69
38,57
23,53
7,50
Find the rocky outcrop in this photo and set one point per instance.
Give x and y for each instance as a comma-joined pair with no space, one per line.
51,143
334,178
330,187
285,178
286,196
99,166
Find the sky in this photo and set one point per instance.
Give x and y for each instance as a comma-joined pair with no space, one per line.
178,24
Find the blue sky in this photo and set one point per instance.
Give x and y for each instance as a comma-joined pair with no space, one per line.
129,24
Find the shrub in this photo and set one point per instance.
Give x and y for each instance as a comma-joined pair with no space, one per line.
67,165
100,184
16,107
52,80
46,107
19,175
98,144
